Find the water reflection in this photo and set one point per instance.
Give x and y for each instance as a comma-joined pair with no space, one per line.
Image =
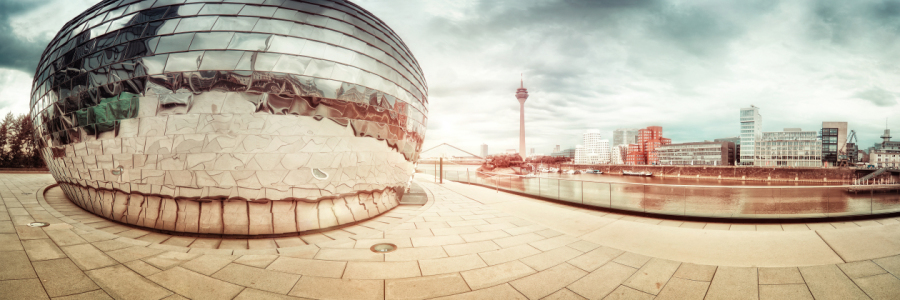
705,198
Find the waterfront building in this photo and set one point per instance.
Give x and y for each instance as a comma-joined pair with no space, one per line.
751,130
555,149
484,150
737,147
522,95
644,152
618,154
594,151
792,147
886,154
700,153
625,136
567,153
834,141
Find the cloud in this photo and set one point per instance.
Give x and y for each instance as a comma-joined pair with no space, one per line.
27,26
877,96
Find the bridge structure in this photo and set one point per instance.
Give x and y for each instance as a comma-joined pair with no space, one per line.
454,147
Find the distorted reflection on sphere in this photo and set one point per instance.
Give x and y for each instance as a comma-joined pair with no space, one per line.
241,118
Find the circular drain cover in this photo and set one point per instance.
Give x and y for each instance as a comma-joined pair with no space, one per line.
383,248
38,224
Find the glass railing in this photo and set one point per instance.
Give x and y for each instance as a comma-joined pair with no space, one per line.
742,202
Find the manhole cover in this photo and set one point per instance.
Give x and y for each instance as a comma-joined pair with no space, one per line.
383,248
38,224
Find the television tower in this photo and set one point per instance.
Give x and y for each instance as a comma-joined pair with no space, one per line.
522,95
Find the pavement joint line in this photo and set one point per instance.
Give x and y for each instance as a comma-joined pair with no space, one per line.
829,246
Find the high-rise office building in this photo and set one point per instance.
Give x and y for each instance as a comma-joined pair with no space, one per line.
625,136
751,130
644,152
484,150
834,141
556,149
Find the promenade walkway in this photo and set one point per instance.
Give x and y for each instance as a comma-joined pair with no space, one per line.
467,242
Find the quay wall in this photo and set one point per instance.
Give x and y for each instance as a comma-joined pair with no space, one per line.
829,175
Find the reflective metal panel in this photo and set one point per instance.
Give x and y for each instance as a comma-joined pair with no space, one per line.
243,118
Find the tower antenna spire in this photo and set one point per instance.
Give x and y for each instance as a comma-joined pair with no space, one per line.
521,80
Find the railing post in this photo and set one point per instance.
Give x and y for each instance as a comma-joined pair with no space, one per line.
442,170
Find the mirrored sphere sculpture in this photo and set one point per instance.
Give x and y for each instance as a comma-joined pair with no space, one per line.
248,117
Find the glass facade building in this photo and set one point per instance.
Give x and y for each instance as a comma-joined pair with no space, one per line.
751,131
789,148
248,117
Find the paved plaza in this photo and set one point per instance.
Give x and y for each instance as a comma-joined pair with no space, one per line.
466,242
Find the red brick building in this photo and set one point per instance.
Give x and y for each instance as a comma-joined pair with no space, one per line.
644,152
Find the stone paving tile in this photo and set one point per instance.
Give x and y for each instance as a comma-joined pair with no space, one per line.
311,267
602,281
593,259
405,233
288,242
195,286
110,245
437,240
784,291
42,249
15,265
633,260
142,268
30,233
890,264
829,282
349,255
859,269
407,254
233,244
525,229
122,283
883,286
259,261
652,276
683,289
308,251
742,227
22,289
794,227
168,260
330,288
422,225
695,225
425,287
272,281
717,226
508,254
494,275
61,277
92,295
554,242
367,243
769,227
470,248
208,264
261,244
503,291
254,294
779,275
695,272
132,253
734,283
624,292
182,241
10,242
484,236
546,282
583,246
381,270
451,264
550,258
564,294
518,240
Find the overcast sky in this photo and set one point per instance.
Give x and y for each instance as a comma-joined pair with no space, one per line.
688,66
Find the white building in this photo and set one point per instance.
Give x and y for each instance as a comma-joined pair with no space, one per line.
789,148
484,150
594,150
751,130
618,154
625,136
886,154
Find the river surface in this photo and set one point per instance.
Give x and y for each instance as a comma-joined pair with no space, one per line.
688,197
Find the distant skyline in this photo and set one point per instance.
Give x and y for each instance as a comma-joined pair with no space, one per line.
688,66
